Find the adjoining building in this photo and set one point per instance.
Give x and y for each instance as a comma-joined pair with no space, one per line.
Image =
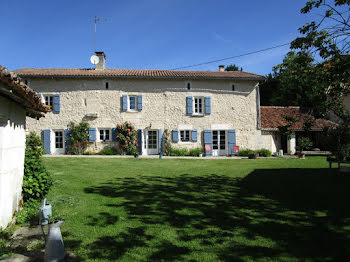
17,101
272,117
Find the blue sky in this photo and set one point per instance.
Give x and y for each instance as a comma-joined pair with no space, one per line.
152,34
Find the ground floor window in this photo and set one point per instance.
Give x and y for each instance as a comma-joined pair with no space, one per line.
185,135
105,135
59,139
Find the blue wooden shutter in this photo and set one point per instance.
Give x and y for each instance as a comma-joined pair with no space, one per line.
175,136
231,141
194,135
56,104
139,141
92,134
160,140
189,105
139,103
66,137
114,134
125,103
208,142
47,141
207,105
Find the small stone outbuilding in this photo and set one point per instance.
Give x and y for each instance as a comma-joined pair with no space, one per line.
274,116
17,101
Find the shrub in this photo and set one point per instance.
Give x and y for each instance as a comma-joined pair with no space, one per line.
185,152
108,151
264,152
78,138
127,137
179,152
195,151
246,152
36,180
29,213
303,143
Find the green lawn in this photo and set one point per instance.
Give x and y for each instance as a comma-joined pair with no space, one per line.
202,210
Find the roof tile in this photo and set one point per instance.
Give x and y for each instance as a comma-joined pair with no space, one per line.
135,73
274,116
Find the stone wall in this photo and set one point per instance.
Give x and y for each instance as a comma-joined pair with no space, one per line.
164,105
12,146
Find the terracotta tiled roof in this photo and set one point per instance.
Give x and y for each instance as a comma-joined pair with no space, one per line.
21,93
134,73
273,116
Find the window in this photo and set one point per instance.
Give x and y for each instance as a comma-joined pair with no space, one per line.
185,135
58,139
233,87
189,86
198,106
48,101
105,135
107,85
132,103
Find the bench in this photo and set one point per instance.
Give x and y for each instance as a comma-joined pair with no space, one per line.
339,163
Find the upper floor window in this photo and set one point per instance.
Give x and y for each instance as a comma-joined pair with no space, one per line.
48,101
105,135
185,135
198,105
132,103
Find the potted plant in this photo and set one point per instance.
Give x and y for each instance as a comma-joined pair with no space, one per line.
302,144
252,154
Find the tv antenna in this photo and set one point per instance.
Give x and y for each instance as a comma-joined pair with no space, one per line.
97,19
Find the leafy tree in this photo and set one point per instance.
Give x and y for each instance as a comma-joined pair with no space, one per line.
295,82
268,90
328,38
233,67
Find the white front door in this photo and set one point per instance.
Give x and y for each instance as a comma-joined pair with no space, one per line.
58,142
219,143
151,144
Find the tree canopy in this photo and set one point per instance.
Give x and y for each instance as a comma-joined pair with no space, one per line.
233,67
328,38
317,73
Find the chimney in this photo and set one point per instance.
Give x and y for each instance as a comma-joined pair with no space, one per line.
221,68
102,63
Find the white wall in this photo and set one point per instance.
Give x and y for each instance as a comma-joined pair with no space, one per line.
12,147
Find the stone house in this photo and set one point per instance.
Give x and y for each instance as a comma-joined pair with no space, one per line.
211,110
17,101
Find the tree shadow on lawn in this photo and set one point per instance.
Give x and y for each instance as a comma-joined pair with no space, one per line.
298,214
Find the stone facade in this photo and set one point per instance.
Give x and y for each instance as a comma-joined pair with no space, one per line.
163,106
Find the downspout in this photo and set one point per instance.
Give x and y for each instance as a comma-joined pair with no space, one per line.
258,115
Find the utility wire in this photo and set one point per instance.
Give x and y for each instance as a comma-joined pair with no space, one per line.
223,59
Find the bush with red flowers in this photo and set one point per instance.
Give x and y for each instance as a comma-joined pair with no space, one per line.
127,137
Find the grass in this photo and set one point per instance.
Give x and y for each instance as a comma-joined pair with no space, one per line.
202,210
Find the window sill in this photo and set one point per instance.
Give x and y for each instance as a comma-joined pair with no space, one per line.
197,115
132,111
